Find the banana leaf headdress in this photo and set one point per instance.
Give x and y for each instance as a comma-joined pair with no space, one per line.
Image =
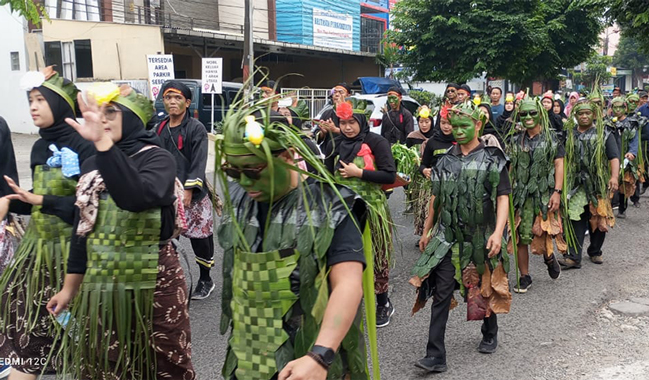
466,109
50,79
108,92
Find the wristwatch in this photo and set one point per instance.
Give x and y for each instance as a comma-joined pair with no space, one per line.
558,191
322,355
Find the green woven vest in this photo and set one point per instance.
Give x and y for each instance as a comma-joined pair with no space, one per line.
116,295
41,258
274,300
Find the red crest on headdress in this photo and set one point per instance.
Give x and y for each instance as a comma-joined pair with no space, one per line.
344,111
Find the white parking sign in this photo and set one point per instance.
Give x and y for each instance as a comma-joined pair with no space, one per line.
212,75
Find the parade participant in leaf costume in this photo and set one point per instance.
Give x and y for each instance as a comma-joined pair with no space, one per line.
537,179
591,172
130,318
463,237
363,161
38,267
293,257
626,130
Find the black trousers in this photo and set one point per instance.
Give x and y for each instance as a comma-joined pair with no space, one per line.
624,202
204,254
443,280
596,237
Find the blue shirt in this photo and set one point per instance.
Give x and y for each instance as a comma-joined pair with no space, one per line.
644,111
497,111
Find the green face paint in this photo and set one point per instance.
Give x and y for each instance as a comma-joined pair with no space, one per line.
585,118
632,104
260,189
619,110
393,100
463,129
529,114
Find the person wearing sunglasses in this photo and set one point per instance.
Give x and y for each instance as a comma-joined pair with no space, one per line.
130,311
536,193
27,331
186,139
450,99
293,256
592,167
625,129
397,120
470,204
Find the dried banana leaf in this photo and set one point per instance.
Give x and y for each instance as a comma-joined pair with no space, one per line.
485,287
470,276
501,299
538,246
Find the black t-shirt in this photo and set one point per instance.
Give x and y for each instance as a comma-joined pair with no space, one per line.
346,245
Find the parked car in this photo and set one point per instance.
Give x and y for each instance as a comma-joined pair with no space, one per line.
376,103
201,107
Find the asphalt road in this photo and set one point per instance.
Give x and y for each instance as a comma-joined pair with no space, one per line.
559,329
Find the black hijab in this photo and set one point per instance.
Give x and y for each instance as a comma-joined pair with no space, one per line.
7,159
562,108
60,133
134,135
441,137
348,147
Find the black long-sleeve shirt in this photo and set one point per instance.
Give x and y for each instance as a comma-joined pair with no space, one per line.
397,125
433,149
385,170
138,183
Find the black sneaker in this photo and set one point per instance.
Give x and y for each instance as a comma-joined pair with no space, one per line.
525,282
636,204
621,215
383,314
431,364
554,269
203,289
488,346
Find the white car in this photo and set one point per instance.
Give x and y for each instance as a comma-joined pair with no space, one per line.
376,103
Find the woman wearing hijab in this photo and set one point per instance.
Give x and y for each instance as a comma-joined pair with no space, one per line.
36,270
425,131
572,99
558,109
489,128
441,141
363,161
131,312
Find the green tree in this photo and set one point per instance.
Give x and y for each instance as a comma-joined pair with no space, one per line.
389,56
595,70
456,40
631,15
29,9
629,55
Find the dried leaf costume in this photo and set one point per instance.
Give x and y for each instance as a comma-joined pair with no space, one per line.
130,318
532,172
627,132
276,255
587,203
38,267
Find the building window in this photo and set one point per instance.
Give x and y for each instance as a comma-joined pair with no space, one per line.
15,61
53,55
371,34
83,58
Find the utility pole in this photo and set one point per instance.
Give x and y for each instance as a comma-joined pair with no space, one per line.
248,62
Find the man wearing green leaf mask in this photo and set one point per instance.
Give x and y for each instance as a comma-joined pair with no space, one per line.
626,129
632,101
537,175
293,257
591,177
397,121
469,210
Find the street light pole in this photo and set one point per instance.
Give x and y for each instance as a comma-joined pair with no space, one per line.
248,62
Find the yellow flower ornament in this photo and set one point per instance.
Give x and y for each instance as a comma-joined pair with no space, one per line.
254,131
104,93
